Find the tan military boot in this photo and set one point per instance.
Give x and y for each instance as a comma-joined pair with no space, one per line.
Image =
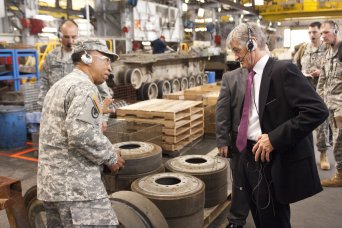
324,162
336,181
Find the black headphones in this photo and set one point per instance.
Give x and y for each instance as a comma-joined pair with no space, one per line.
86,58
59,33
250,43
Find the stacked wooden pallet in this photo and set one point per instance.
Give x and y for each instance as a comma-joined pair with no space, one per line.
208,94
182,120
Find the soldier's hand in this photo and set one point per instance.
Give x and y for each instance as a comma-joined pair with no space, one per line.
104,126
315,73
223,151
105,106
120,162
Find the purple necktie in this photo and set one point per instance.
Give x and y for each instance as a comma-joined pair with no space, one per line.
241,140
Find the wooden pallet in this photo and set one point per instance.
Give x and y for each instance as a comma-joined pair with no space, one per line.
182,120
208,94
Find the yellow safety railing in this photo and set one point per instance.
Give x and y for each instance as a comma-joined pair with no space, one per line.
42,53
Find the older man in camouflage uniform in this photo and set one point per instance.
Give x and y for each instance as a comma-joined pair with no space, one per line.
72,147
309,59
58,63
330,88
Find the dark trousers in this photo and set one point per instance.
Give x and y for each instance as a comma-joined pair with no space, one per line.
256,178
239,207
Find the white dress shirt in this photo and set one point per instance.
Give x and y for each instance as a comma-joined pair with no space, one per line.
254,129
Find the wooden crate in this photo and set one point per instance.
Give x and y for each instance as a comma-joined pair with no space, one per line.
208,94
182,120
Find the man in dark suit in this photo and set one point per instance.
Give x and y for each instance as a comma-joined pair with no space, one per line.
228,113
280,111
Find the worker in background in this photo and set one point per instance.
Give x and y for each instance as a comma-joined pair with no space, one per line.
159,46
58,63
330,88
72,147
228,114
279,112
309,59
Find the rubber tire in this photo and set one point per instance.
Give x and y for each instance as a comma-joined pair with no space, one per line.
194,221
216,196
169,202
164,87
150,91
115,183
134,77
30,194
140,161
175,85
199,80
34,207
192,81
215,180
131,206
184,83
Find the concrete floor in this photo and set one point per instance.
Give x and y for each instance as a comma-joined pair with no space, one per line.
321,210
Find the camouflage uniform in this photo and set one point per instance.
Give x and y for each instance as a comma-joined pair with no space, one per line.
72,148
330,88
94,214
312,59
57,64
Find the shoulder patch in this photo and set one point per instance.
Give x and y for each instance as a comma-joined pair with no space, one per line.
97,103
90,112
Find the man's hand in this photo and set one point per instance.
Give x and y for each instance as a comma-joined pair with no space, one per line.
263,148
315,73
105,105
120,163
104,126
223,151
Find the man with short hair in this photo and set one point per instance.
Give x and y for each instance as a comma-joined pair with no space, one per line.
309,59
228,113
72,147
58,62
279,112
330,88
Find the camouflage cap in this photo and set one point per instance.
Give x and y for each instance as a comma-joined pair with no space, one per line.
94,45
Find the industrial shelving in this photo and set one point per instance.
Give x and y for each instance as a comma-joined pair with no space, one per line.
14,74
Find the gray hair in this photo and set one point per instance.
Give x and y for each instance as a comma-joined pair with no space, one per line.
240,33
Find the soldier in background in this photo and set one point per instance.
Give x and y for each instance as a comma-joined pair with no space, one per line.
72,147
58,63
309,59
330,88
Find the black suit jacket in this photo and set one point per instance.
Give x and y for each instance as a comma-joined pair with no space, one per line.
289,110
229,106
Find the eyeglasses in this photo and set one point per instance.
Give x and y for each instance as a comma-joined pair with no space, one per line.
103,58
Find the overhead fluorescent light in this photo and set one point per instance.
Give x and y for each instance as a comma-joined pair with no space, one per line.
200,12
184,7
259,2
